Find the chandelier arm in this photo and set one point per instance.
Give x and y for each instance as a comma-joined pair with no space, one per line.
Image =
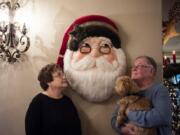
7,52
16,52
4,5
23,43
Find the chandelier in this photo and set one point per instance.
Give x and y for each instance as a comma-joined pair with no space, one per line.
174,12
13,38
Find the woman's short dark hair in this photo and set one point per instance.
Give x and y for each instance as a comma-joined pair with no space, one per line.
45,75
150,61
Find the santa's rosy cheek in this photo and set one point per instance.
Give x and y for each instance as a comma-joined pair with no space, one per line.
78,56
110,57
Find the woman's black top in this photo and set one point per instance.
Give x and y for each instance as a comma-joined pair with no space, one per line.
48,116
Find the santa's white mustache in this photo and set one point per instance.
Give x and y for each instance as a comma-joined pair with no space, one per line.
89,62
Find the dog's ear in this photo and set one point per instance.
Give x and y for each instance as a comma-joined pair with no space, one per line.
118,85
122,86
128,83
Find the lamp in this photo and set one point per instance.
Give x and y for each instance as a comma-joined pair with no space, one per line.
13,39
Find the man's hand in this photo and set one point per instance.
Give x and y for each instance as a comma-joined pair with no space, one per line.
129,129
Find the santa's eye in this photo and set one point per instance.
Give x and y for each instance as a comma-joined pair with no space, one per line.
105,49
85,48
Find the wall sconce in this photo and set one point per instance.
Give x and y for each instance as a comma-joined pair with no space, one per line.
13,39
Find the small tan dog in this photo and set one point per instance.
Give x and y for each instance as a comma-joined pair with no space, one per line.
125,88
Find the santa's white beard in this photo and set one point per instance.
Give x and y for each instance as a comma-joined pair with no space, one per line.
95,84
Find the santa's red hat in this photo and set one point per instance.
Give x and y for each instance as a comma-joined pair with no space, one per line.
88,26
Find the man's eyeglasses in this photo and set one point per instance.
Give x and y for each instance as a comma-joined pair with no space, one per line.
85,48
141,66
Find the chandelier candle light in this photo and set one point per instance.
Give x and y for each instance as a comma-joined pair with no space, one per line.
174,56
13,39
165,61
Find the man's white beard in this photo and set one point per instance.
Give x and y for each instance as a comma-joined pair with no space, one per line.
95,84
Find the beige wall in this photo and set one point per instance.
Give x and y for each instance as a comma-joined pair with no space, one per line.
139,22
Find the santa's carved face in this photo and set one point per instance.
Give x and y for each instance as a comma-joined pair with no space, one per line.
93,68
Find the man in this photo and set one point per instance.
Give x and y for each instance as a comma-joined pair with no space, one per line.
94,58
143,73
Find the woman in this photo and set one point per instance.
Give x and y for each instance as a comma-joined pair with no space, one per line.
50,112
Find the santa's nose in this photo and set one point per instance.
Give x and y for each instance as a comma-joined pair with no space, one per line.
95,52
